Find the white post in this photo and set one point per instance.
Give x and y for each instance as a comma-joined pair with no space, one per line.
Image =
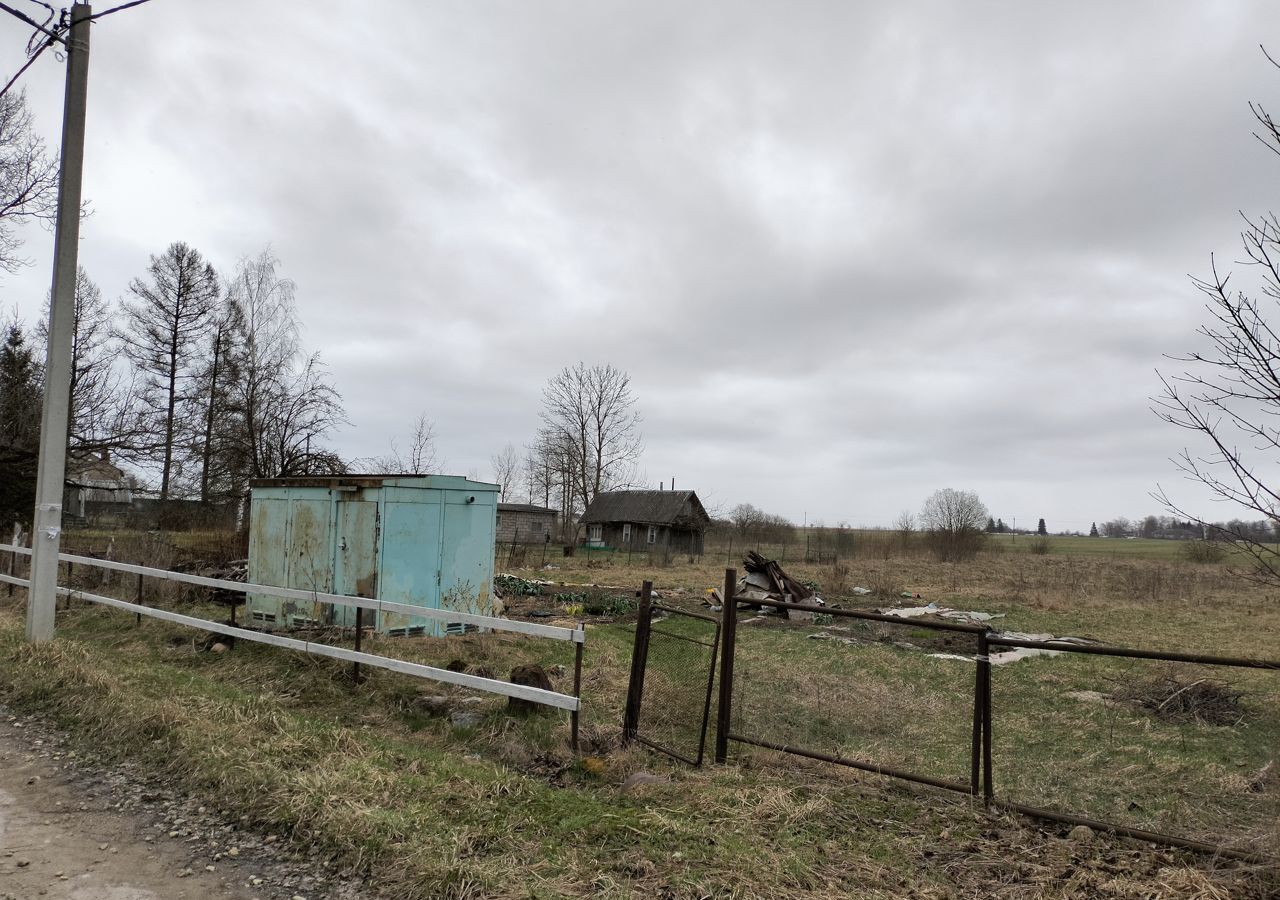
52,473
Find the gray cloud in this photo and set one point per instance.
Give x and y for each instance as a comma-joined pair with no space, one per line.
849,253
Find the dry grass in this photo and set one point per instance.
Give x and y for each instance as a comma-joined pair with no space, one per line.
436,812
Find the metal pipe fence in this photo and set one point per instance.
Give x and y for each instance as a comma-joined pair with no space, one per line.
981,723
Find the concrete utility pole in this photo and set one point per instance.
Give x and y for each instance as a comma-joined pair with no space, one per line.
52,473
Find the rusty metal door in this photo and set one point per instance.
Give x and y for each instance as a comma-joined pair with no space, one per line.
356,569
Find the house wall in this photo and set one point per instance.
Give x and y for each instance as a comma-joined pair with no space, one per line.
677,540
524,527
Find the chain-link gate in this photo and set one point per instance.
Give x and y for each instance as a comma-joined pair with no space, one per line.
673,666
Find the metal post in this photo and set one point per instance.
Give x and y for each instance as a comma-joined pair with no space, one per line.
577,690
139,600
984,676
52,471
728,637
639,657
975,757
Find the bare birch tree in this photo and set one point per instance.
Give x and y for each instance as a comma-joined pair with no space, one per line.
281,405
590,427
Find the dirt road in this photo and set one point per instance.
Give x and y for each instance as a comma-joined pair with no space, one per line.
72,830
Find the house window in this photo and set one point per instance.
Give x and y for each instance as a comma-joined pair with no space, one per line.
594,532
499,518
653,534
535,525
626,533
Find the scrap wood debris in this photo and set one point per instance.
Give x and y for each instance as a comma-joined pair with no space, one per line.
766,580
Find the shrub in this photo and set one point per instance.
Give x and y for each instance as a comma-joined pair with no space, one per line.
1203,551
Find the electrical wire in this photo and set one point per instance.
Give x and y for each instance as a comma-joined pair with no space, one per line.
52,35
45,46
107,12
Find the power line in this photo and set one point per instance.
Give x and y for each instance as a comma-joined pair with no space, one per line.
26,66
53,35
107,12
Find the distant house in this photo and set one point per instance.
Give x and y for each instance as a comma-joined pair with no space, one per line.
647,520
94,484
525,523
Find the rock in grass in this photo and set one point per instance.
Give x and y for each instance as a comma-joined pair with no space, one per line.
465,718
1081,834
529,676
432,704
637,781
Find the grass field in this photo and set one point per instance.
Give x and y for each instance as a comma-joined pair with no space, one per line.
505,810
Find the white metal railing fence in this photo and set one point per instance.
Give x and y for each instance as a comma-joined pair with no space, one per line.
577,635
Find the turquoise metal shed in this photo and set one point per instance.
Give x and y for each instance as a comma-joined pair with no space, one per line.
422,540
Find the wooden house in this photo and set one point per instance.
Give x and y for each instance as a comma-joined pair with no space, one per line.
666,521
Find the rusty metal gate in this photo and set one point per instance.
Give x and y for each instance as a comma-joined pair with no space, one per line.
673,667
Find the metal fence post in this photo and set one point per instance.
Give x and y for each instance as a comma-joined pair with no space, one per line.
139,600
639,657
984,681
728,640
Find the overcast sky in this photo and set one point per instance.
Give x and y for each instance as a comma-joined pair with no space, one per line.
848,252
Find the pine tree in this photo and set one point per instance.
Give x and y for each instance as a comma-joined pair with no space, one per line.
20,402
21,393
991,525
1001,527
1093,529
1040,529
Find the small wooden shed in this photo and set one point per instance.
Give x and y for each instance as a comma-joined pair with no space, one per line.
525,523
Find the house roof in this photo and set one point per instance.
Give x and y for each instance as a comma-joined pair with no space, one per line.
647,508
525,507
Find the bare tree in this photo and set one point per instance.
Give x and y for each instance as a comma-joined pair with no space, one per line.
280,404
420,458
905,525
165,324
1229,396
953,522
100,415
589,419
506,468
28,177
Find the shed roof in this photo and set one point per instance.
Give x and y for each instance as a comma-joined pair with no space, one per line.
647,508
526,508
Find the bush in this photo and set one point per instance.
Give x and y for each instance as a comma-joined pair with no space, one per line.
1203,551
1039,545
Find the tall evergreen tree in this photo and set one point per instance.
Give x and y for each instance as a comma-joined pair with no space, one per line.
1093,529
20,401
21,391
1041,529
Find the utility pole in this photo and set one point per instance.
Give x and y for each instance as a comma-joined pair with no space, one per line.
52,472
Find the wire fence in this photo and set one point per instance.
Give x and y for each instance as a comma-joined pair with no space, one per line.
1177,748
673,666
